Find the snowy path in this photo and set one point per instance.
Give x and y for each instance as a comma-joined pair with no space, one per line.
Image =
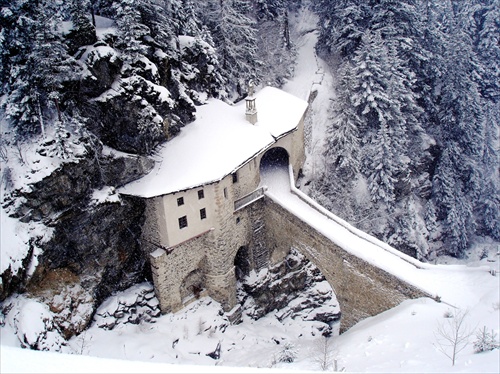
307,68
436,280
312,81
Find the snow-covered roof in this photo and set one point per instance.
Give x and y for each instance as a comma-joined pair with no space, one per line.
219,142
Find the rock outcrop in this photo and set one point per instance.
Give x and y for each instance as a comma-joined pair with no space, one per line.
292,288
94,242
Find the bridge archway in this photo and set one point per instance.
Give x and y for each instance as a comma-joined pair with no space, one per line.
276,157
242,264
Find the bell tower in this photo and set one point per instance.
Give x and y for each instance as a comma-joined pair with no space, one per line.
251,109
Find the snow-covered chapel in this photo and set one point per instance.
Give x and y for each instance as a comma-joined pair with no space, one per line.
202,182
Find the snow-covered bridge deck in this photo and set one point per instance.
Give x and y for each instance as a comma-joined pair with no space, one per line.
282,191
426,278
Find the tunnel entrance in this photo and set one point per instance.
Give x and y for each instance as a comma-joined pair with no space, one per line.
274,158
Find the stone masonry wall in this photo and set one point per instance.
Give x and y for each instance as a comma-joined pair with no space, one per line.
169,270
154,226
362,289
206,263
232,231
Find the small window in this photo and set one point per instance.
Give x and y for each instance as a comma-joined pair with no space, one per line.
201,194
235,177
225,192
183,222
180,201
237,220
203,213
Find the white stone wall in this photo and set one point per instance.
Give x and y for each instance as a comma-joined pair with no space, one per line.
170,212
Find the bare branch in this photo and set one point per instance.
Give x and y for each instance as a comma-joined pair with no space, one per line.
453,335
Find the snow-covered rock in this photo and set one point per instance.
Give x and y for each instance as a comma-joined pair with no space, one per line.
293,288
135,305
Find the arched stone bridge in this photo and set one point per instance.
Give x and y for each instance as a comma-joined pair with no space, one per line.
362,288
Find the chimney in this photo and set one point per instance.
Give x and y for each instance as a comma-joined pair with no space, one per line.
251,109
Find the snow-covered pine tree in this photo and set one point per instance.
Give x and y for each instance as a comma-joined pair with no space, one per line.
131,32
342,153
377,97
343,24
161,18
274,43
462,135
38,68
20,101
489,203
487,45
408,231
235,37
453,207
189,24
83,31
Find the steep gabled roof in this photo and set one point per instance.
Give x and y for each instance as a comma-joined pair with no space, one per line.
218,142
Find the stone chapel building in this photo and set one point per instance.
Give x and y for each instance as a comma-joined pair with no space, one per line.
199,190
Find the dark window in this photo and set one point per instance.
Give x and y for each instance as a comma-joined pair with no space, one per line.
180,201
237,220
201,194
225,192
183,222
203,213
235,177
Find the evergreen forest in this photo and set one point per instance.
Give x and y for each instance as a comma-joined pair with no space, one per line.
411,154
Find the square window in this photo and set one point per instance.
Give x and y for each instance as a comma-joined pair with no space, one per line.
201,194
235,177
183,222
203,213
180,201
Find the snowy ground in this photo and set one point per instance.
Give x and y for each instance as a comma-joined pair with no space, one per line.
402,339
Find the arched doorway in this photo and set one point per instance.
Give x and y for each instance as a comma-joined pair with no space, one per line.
274,169
276,157
192,285
242,263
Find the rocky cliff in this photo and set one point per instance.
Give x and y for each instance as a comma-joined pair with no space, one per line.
93,246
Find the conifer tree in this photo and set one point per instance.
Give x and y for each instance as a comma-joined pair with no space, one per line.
189,23
487,44
83,32
38,68
453,206
131,32
235,37
20,103
342,154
